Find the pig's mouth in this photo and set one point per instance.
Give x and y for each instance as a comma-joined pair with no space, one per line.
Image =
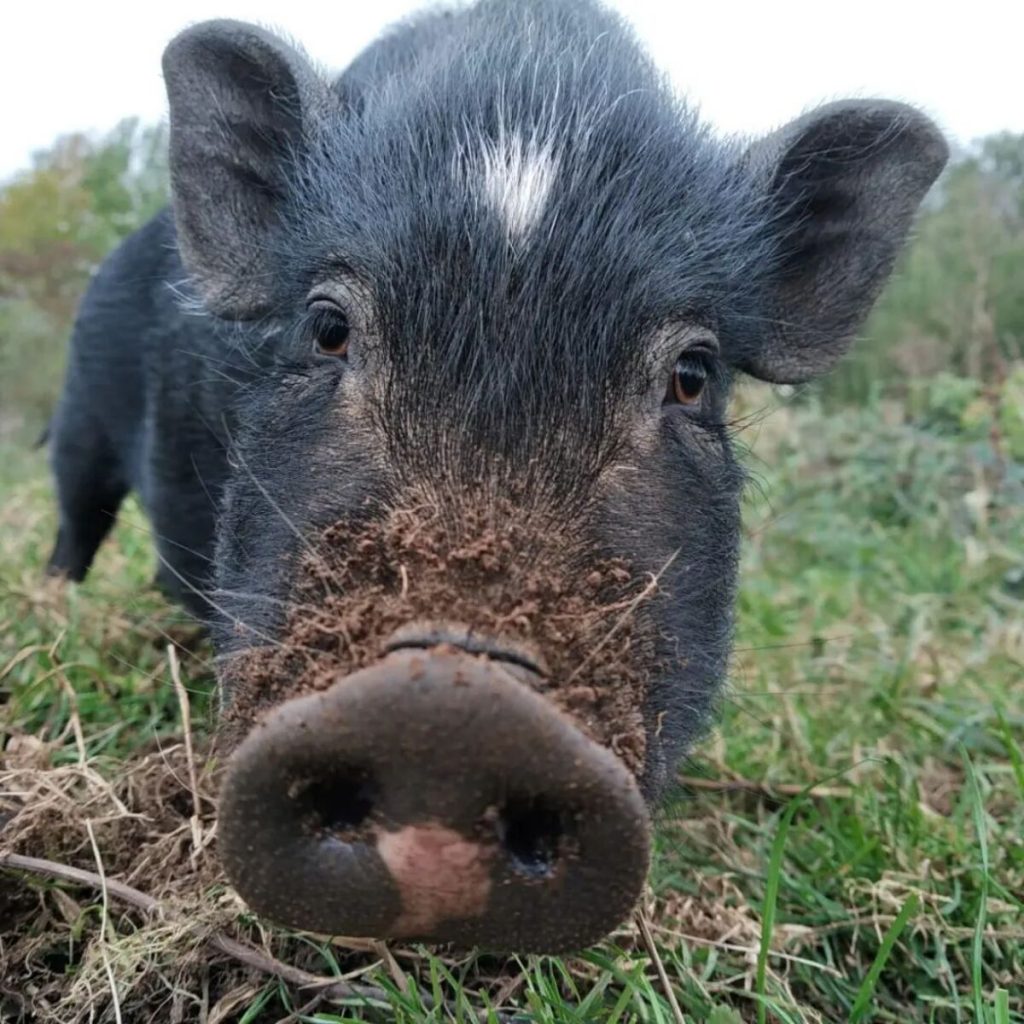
434,796
424,636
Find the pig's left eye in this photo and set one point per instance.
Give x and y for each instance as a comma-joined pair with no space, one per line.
689,378
330,330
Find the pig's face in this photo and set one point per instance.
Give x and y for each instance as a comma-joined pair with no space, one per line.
542,393
478,552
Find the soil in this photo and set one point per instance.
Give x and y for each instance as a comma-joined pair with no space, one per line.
62,955
497,573
178,945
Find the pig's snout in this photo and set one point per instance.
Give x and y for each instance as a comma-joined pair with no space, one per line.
434,796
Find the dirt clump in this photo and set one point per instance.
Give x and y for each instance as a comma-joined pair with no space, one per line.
498,573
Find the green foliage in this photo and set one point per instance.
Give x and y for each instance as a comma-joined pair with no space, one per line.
57,221
943,401
31,362
956,303
1011,413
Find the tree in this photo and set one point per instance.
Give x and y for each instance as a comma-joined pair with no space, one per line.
955,303
58,219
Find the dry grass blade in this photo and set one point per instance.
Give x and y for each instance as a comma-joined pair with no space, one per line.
766,789
74,718
186,725
328,988
748,952
400,978
303,1011
107,929
659,966
625,617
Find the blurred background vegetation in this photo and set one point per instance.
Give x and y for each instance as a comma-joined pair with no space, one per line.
947,341
58,219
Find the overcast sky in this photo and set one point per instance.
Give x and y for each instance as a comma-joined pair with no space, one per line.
749,66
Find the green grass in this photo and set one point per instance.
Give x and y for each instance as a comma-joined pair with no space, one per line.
852,847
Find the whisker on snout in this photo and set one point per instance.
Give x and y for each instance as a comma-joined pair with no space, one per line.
204,595
293,529
651,587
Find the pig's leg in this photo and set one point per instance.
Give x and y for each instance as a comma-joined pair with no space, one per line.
90,488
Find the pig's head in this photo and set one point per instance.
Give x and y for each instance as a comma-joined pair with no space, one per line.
478,550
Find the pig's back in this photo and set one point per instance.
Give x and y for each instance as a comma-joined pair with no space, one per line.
145,368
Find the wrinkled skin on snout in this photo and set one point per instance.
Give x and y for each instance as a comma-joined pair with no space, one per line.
479,520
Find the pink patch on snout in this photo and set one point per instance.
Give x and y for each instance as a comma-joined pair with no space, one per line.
440,875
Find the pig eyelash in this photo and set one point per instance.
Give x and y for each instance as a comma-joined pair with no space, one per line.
328,330
692,373
691,342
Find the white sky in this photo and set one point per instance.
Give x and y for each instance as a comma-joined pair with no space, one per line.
67,66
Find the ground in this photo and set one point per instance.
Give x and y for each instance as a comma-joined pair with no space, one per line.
847,846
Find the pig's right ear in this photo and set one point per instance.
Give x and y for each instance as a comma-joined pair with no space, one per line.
842,185
240,102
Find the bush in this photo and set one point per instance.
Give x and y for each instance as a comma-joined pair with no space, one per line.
1011,413
955,304
57,221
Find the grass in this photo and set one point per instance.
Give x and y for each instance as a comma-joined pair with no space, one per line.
847,846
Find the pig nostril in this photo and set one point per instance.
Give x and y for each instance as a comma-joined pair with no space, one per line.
337,803
533,835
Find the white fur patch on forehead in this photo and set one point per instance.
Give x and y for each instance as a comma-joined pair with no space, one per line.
514,178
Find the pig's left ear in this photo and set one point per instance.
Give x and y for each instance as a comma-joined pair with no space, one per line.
842,185
242,103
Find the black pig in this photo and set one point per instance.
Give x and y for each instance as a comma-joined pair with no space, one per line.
423,386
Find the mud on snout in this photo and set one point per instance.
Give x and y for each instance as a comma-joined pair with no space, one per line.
448,742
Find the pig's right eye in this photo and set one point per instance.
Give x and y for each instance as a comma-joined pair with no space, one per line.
330,331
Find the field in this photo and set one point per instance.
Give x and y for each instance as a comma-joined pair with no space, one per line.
847,846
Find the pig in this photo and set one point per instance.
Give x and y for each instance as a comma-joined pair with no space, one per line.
423,382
